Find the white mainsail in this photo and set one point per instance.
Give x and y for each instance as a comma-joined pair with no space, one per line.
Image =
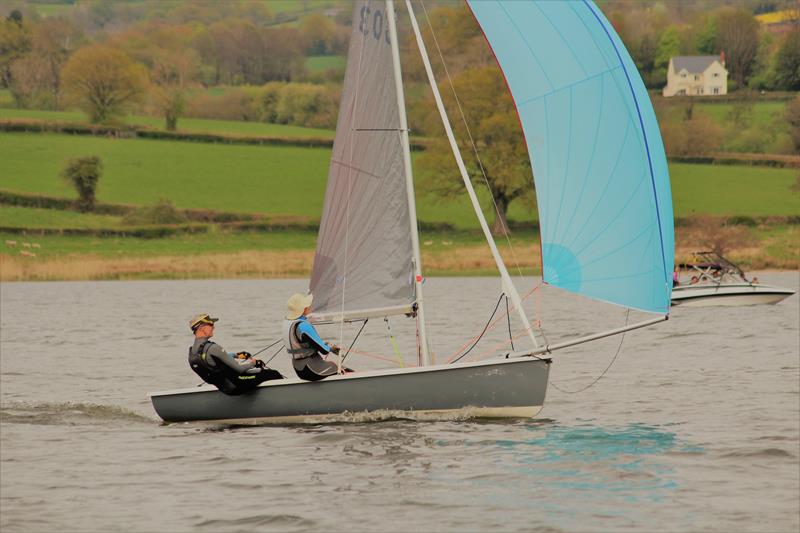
364,262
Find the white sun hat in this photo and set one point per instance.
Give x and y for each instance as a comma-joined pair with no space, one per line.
297,304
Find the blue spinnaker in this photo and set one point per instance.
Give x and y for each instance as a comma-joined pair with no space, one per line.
602,184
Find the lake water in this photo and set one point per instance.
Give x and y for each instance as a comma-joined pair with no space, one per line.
696,425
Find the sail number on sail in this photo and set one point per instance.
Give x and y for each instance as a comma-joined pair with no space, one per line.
379,29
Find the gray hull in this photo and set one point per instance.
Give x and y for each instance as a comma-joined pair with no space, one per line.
500,388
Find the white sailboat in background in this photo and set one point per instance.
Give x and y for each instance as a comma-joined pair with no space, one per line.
711,279
602,190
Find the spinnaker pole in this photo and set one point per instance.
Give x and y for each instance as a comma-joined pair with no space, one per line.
508,285
424,354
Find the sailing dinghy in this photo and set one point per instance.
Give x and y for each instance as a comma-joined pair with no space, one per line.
603,195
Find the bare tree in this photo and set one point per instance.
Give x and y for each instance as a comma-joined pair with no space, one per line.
737,36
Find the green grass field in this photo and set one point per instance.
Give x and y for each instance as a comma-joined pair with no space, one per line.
323,63
184,124
763,114
291,180
733,190
251,179
28,217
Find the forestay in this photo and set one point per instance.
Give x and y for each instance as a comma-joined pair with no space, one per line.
363,263
602,184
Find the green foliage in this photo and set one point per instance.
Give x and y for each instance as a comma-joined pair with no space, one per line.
83,173
787,63
233,104
494,127
104,82
15,42
669,45
162,212
793,118
706,37
302,104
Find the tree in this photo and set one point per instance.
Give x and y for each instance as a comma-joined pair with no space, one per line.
173,73
52,41
14,43
787,62
495,129
104,81
793,118
737,36
83,173
669,45
706,37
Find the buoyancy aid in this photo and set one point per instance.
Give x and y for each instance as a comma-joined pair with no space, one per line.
296,348
212,373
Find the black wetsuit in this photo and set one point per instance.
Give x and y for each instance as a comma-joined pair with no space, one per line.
229,374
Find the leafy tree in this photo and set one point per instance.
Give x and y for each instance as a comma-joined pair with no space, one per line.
669,45
14,43
787,63
173,73
793,118
737,36
495,129
35,77
321,35
83,173
104,81
706,37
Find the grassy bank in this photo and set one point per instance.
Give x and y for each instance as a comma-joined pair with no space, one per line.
291,254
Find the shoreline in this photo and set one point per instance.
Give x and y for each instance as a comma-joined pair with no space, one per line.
287,264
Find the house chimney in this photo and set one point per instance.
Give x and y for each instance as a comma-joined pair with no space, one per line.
722,58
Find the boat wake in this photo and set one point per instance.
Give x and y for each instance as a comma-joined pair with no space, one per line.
67,413
362,417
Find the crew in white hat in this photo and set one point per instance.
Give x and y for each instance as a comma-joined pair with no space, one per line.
304,344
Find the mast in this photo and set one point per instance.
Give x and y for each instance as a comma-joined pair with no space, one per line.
508,285
425,358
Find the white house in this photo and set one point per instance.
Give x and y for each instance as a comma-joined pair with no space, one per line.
696,76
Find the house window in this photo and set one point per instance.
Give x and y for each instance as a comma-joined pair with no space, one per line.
682,91
696,77
683,74
716,74
716,90
700,90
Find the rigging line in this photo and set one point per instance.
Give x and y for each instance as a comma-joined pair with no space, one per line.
621,340
273,355
497,321
355,339
268,347
376,356
393,342
493,349
469,134
508,316
482,333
